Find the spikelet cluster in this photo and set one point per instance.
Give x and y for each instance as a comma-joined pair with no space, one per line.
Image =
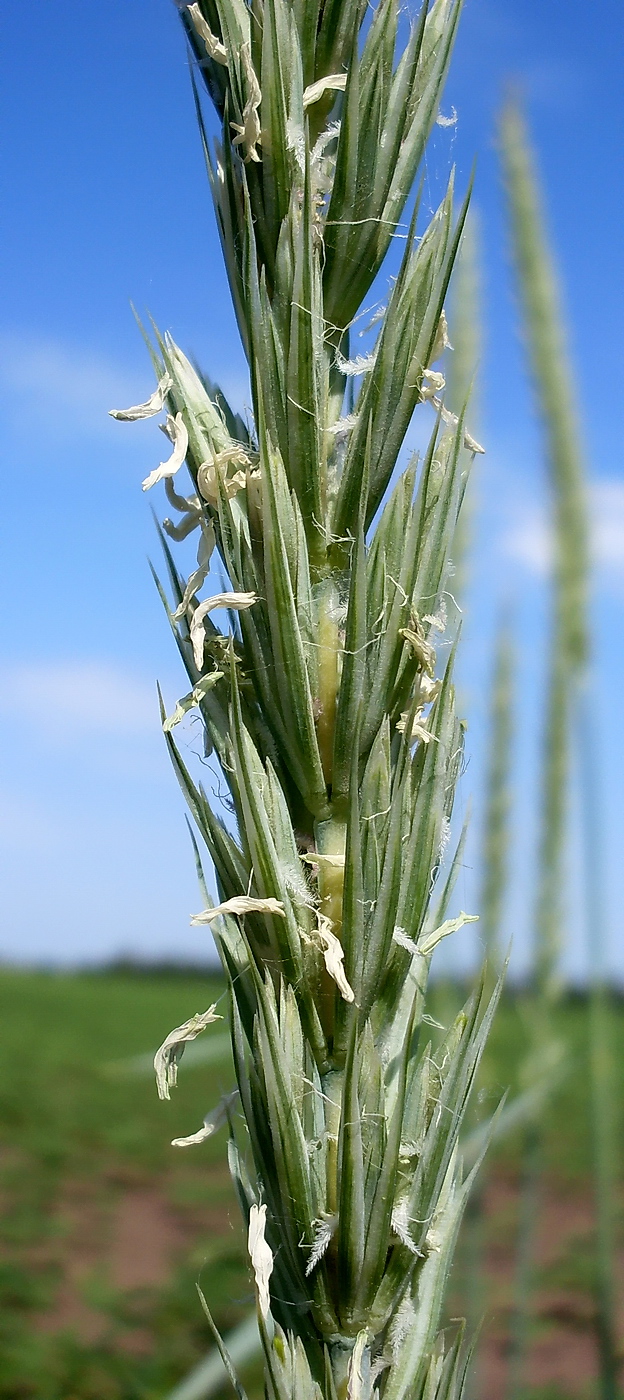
328,697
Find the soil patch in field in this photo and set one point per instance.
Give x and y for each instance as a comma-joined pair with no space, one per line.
124,1241
562,1352
133,1238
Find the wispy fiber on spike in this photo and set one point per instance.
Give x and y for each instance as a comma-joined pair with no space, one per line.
330,713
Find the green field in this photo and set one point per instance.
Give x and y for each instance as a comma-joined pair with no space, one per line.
106,1227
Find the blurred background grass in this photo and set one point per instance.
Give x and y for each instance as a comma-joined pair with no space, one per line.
105,1228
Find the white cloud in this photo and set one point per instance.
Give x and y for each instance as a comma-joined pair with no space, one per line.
556,83
69,698
529,541
69,388
608,508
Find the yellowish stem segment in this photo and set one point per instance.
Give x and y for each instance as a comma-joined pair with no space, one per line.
331,842
332,1088
328,647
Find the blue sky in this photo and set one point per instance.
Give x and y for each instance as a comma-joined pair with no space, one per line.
106,202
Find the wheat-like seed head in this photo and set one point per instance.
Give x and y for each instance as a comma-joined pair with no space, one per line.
330,702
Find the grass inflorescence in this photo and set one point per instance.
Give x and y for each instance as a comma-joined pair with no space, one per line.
327,697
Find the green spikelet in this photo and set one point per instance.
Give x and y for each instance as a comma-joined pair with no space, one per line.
495,848
463,369
324,699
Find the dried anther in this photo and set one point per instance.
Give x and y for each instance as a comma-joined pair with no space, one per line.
428,941
150,408
214,48
176,431
213,473
415,637
167,1058
198,578
236,601
249,133
441,342
194,697
261,1256
211,1124
239,905
333,953
335,81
